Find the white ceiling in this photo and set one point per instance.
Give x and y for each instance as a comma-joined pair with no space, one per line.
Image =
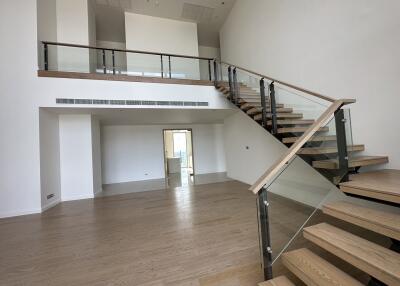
208,14
150,116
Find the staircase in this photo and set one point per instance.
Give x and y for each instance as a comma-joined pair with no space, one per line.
322,152
291,125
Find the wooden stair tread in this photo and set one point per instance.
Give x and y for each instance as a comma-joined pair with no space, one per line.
248,92
299,129
278,110
251,93
280,116
257,111
250,97
353,162
254,100
293,122
250,106
377,261
313,139
380,221
278,281
313,270
258,104
329,150
382,185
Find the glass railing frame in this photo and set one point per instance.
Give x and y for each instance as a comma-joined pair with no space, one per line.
165,72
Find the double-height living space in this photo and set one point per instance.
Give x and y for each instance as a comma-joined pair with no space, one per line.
188,142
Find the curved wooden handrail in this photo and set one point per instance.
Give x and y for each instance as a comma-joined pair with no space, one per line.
291,152
124,51
324,97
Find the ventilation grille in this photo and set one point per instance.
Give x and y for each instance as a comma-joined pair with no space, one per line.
128,102
123,4
197,13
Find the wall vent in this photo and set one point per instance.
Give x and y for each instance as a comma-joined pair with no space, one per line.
197,13
130,102
50,196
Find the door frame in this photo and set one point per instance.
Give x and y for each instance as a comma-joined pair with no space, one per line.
191,138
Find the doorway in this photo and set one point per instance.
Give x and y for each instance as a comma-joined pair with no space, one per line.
178,156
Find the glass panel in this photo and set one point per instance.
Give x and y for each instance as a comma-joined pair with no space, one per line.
351,147
294,196
205,68
248,94
309,106
185,68
71,59
321,151
120,62
248,80
299,191
144,65
224,73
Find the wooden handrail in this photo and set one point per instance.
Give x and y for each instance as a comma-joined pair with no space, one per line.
124,51
324,97
320,122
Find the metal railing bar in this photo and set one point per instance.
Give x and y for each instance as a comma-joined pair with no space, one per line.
124,51
283,83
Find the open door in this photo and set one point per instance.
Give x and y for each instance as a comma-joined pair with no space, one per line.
178,154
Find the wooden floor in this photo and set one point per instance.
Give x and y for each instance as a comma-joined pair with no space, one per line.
195,235
204,235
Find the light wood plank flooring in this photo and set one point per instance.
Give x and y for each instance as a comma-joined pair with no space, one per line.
193,235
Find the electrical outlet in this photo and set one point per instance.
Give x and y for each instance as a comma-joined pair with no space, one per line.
50,196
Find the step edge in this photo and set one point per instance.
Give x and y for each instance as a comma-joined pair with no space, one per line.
385,226
286,259
384,271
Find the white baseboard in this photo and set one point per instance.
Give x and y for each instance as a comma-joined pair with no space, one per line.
50,205
76,198
20,213
96,193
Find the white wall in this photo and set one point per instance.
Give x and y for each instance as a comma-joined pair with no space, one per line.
76,162
250,152
208,149
96,157
47,30
134,153
19,147
49,159
344,49
23,93
73,28
247,165
207,52
92,34
120,58
163,36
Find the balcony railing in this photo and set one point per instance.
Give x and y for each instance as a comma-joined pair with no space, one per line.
64,57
